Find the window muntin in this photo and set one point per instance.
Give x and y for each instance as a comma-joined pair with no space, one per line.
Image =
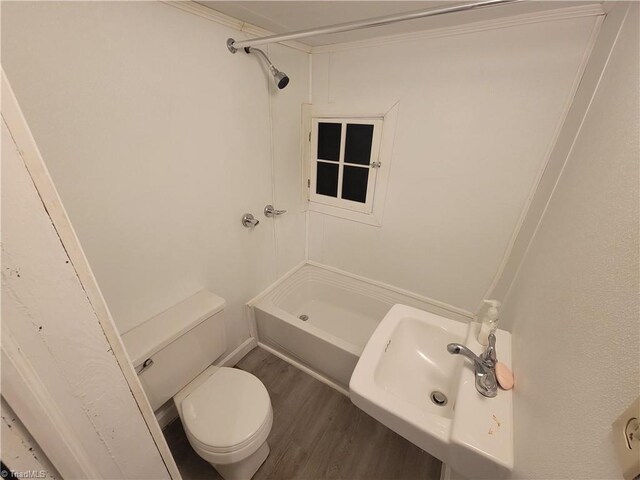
344,169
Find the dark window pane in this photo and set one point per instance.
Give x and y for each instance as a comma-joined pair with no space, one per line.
358,144
354,183
327,179
329,141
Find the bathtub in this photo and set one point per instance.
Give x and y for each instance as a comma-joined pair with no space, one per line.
319,319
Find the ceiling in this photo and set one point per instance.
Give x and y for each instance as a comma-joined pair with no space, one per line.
289,16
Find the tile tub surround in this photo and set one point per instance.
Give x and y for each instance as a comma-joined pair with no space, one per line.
317,433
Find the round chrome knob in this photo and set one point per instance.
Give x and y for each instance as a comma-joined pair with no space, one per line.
249,221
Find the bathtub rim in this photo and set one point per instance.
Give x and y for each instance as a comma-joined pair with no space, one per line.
441,308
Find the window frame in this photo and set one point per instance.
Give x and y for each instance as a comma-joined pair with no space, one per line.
387,114
339,202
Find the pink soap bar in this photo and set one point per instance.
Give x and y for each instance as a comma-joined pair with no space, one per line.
504,376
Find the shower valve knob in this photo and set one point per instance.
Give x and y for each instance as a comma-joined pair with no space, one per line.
249,221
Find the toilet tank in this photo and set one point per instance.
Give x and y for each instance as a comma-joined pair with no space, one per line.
177,345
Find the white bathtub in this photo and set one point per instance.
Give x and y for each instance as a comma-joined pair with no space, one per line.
343,310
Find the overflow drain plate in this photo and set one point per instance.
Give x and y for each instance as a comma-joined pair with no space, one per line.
439,398
304,317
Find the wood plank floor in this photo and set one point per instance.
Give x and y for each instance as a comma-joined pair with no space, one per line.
317,434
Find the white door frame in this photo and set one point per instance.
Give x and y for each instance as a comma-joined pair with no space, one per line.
22,384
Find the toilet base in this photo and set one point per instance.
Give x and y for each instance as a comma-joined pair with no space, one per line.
246,468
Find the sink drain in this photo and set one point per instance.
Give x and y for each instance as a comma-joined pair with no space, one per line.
304,317
438,398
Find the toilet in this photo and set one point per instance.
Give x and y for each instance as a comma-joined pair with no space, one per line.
226,413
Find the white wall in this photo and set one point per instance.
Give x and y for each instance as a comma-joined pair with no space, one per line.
158,140
477,118
574,307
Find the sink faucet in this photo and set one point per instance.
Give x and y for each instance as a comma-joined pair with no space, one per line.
485,366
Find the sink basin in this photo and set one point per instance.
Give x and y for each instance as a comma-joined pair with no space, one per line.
415,348
406,379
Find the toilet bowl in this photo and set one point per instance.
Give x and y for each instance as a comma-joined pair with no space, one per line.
227,417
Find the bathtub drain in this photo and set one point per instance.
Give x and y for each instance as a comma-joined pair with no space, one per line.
438,398
304,317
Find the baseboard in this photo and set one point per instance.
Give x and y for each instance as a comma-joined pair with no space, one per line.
166,414
238,354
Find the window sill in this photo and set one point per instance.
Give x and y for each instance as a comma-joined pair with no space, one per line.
367,218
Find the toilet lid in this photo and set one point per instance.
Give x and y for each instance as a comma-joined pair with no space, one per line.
227,409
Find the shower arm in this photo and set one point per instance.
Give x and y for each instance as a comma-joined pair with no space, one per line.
272,68
280,78
234,45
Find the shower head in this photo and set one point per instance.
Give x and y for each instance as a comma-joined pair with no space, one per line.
281,78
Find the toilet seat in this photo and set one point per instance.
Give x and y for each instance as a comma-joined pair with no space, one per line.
225,411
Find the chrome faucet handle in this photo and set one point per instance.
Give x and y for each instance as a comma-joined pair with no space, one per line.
486,382
489,356
270,211
249,221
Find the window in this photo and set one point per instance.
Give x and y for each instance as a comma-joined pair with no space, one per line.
345,161
347,158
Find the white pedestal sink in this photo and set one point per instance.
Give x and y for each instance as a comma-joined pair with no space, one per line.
405,361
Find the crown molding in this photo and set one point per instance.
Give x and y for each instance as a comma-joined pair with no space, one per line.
522,19
231,22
